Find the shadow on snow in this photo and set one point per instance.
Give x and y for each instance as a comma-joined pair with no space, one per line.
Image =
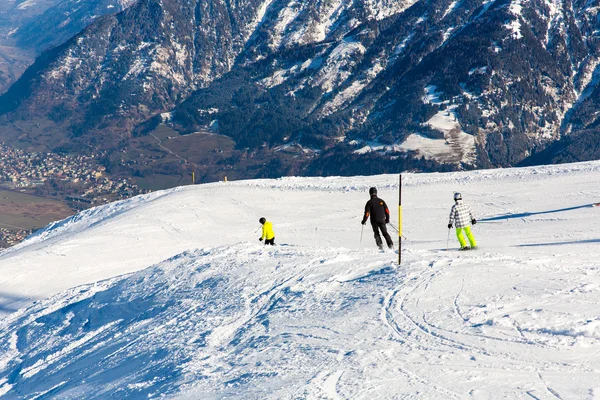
529,214
560,243
9,303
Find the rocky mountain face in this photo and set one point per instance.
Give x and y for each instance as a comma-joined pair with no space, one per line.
359,86
28,27
126,67
13,13
65,19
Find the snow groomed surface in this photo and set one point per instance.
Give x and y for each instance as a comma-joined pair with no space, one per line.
172,294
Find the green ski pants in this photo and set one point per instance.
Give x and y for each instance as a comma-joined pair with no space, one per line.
461,239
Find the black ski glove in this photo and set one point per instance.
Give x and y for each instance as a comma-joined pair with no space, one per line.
387,221
260,239
449,226
473,221
364,221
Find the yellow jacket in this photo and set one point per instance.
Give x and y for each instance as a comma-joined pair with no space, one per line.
268,232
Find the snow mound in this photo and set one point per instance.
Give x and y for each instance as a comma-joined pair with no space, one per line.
214,320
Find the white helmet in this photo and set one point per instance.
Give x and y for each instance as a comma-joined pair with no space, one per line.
457,196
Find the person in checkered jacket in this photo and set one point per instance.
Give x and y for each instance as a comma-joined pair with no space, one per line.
462,217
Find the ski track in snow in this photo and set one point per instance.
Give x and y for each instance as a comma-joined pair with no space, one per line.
164,294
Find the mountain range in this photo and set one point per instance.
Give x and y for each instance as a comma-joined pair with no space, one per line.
318,87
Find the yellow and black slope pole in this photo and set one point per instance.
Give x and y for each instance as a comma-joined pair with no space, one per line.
400,220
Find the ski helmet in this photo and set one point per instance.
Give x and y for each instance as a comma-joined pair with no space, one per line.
457,196
262,220
373,191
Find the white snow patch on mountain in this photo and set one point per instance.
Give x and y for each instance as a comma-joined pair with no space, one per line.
456,147
181,53
479,70
382,9
282,75
448,33
262,10
162,65
337,65
343,97
143,45
327,18
350,93
286,16
374,146
27,4
485,6
459,145
68,63
432,96
136,68
554,6
277,78
588,79
433,149
403,44
126,3
516,7
450,8
514,26
64,23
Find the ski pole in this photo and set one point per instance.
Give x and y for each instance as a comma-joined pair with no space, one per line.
257,229
396,229
361,234
448,239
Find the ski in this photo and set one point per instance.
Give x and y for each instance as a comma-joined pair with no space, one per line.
459,249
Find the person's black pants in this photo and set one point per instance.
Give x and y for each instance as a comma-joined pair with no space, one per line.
380,226
270,241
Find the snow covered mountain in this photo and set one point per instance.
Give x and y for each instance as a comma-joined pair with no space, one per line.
171,294
383,85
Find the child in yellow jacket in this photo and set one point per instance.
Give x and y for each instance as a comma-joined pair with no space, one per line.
267,232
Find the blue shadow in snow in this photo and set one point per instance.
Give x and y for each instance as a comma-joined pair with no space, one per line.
9,302
559,243
529,214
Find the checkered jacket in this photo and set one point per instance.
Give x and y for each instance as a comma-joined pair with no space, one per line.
461,215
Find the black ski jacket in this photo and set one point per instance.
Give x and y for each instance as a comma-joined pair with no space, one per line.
377,210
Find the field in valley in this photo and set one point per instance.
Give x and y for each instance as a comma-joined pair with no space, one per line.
24,211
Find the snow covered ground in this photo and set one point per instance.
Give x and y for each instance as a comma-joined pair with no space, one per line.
457,146
172,294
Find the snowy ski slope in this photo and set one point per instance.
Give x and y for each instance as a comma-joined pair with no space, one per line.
171,293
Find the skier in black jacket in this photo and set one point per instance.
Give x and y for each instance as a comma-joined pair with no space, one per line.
380,215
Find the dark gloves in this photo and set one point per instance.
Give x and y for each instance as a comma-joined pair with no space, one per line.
364,221
473,221
449,226
260,239
387,221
